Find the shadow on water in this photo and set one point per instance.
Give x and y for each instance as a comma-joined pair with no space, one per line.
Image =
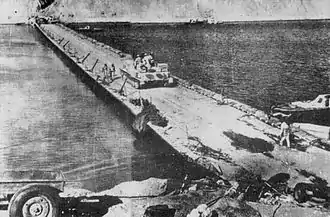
254,145
153,144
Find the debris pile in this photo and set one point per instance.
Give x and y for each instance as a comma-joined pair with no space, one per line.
250,187
196,145
206,184
272,191
205,197
224,206
134,101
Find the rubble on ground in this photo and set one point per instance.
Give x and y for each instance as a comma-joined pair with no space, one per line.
207,197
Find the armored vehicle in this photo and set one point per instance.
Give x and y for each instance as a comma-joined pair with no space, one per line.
141,76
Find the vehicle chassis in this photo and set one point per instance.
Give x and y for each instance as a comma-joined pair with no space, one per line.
31,193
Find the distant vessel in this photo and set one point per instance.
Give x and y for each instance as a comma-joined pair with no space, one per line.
199,21
89,28
312,111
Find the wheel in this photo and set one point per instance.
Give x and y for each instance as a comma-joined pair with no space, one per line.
300,194
35,201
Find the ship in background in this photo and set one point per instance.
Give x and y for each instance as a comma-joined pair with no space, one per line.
203,21
205,16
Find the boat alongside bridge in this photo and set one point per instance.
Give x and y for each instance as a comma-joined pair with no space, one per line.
315,111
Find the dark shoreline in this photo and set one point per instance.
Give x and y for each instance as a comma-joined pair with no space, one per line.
252,22
220,22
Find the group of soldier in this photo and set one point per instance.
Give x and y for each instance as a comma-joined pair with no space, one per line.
108,73
144,61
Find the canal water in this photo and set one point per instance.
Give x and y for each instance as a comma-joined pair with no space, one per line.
260,64
50,120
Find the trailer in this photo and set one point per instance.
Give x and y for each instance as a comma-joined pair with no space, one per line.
31,193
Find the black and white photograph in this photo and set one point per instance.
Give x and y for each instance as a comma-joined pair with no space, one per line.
164,108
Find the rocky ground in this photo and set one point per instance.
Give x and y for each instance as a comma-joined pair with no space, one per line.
211,196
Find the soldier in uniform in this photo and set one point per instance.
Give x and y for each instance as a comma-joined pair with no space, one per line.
112,71
137,61
285,132
105,72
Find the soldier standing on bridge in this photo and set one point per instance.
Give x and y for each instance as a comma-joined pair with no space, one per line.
285,132
148,60
137,61
112,71
105,72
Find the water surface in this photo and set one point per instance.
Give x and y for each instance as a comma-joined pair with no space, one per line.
50,120
257,63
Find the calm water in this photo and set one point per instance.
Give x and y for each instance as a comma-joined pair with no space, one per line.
259,64
50,120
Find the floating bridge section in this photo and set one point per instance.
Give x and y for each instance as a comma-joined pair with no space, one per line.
225,138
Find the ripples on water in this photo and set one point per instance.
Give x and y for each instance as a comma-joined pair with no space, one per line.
259,64
50,120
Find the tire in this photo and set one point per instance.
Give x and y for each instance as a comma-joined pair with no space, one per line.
300,194
35,201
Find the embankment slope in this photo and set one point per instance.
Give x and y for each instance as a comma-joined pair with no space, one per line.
180,10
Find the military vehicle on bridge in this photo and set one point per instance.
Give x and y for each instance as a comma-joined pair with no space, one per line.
140,76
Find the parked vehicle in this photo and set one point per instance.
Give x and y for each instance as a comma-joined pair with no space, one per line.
31,193
313,111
